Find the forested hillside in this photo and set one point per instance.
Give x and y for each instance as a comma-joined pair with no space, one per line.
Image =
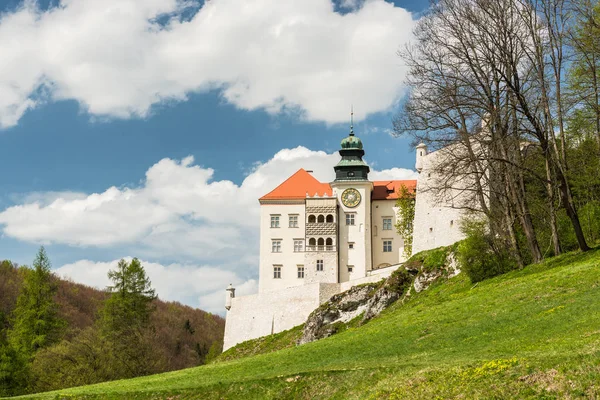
69,342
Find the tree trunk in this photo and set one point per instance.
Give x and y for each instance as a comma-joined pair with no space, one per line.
552,210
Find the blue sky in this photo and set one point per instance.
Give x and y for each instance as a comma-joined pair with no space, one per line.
227,107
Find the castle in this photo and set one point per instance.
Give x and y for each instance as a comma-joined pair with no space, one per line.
319,239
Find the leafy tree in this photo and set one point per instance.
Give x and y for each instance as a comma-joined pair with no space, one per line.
215,349
480,254
36,323
13,371
405,217
584,72
125,321
83,360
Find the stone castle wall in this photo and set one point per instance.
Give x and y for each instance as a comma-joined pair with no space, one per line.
437,212
266,313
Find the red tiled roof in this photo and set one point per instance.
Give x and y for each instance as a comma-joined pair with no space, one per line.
388,190
297,186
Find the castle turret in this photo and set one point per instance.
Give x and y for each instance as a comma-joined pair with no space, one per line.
421,153
351,167
230,294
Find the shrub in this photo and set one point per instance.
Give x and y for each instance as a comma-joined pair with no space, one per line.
429,260
479,257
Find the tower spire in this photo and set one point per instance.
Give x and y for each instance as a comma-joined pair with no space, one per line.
351,120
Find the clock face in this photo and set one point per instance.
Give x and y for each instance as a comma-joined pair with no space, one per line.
351,197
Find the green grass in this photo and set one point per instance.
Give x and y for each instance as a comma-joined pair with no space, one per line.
533,333
263,345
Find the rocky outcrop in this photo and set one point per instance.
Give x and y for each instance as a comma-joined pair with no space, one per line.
363,302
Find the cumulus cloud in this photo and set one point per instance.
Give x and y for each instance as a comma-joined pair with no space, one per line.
178,211
200,286
119,58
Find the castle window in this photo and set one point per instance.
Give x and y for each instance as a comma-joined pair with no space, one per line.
452,223
319,265
320,242
351,245
312,242
387,224
321,219
350,219
350,268
312,219
276,271
298,245
293,220
329,242
387,246
329,218
276,246
275,221
300,271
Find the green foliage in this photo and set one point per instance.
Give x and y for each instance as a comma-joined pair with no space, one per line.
405,217
430,260
36,322
130,303
83,360
125,319
498,340
584,71
213,352
14,373
174,337
477,254
400,281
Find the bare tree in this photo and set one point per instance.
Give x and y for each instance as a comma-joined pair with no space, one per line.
500,62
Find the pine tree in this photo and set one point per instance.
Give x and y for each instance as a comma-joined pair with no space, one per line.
36,323
125,319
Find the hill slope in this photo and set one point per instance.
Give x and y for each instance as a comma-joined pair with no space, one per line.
183,334
533,333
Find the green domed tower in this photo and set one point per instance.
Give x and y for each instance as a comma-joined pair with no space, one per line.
351,167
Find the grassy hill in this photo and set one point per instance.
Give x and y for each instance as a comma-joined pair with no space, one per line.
533,333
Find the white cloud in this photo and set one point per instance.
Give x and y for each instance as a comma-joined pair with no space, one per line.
199,286
178,211
393,174
116,60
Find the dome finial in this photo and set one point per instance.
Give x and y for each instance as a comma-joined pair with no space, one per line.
351,120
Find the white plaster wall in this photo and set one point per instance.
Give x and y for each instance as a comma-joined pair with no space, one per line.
359,233
266,313
330,267
381,209
437,215
287,258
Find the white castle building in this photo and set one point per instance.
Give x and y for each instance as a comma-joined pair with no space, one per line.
318,239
